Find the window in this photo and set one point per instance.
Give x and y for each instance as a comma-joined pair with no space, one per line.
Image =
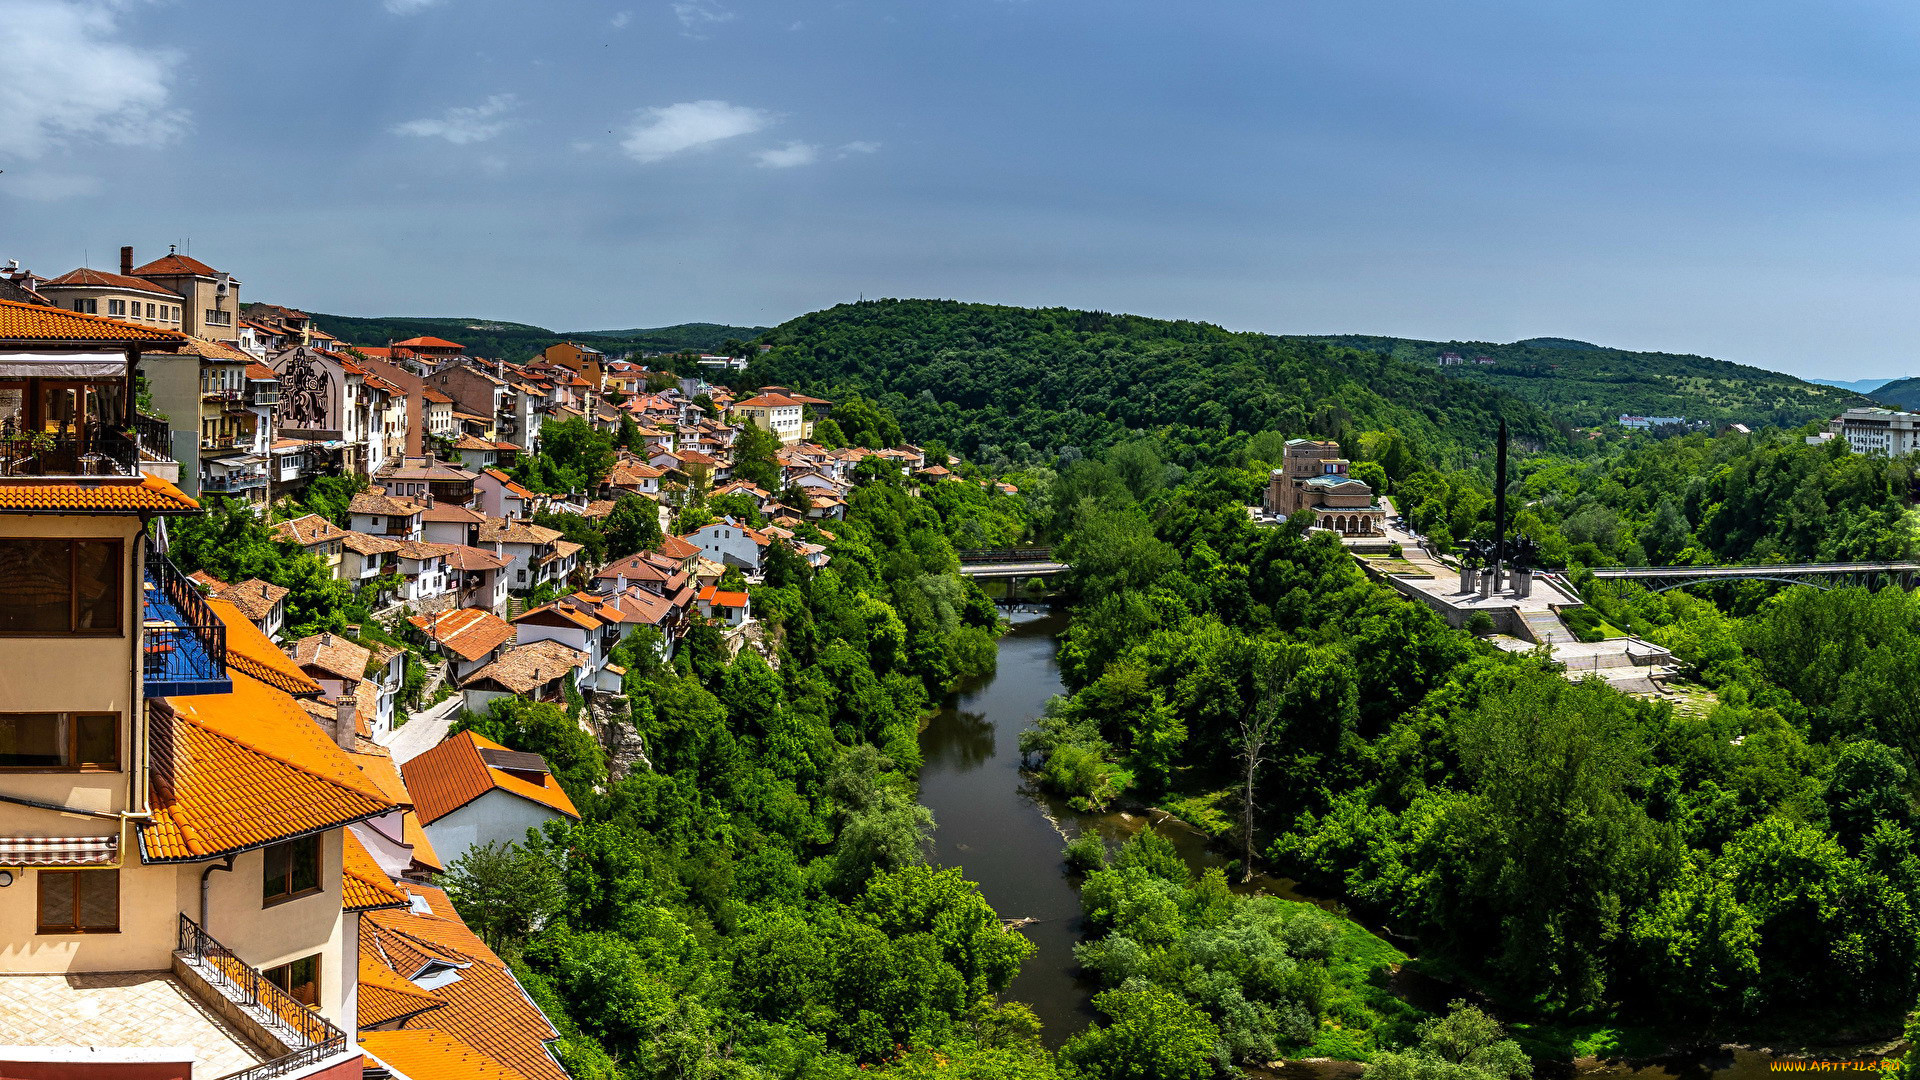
79,901
291,870
149,311
87,307
116,307
216,317
299,978
60,741
60,587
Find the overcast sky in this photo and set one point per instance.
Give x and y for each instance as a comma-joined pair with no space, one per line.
1733,179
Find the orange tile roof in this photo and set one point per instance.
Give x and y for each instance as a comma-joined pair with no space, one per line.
386,995
435,396
485,1007
428,1054
428,343
260,372
510,531
508,483
453,774
675,548
377,763
373,501
308,530
93,495
364,886
713,596
100,279
176,263
254,654
232,772
334,655
469,633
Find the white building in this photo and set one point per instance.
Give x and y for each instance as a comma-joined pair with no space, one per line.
470,791
1887,432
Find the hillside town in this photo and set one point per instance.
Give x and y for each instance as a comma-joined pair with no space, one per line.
227,811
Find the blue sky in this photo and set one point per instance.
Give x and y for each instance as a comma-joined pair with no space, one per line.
1729,179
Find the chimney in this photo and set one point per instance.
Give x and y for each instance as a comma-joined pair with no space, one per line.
126,260
343,720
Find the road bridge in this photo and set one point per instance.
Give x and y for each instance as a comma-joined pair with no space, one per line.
1817,575
1008,564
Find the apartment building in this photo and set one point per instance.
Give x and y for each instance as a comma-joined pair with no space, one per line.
1885,432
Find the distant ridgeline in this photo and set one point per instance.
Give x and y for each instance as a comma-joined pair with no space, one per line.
1589,385
518,341
1010,384
1900,393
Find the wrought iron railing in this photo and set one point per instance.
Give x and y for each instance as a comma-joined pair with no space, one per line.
85,450
310,1037
153,435
185,642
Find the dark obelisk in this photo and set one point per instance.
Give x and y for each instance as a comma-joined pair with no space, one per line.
1500,511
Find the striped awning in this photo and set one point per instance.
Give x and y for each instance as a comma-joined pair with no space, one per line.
58,850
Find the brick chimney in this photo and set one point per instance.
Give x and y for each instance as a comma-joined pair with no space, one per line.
126,260
343,721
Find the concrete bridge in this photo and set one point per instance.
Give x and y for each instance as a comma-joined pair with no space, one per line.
1818,575
1008,564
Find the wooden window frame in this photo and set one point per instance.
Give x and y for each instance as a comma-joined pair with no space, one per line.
71,748
287,967
119,627
267,899
44,875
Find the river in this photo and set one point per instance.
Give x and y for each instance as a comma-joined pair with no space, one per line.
1006,835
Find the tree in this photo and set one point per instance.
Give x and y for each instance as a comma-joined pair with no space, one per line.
540,727
1465,1044
1256,728
503,892
1152,1034
632,526
754,460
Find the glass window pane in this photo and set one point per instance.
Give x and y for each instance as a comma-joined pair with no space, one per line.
97,585
274,879
99,899
56,899
31,740
96,740
34,586
306,863
305,977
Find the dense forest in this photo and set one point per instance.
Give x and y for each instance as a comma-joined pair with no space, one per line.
1018,386
518,341
1588,386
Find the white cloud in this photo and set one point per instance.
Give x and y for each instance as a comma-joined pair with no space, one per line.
463,124
48,187
697,16
859,146
409,7
664,131
620,20
71,78
788,156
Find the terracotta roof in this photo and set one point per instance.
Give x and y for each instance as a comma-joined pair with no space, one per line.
95,495
175,263
252,653
362,544
507,482
100,279
218,350
430,1054
766,401
455,773
308,530
712,595
379,502
598,508
385,995
428,343
376,763
435,396
529,667
332,654
562,549
237,771
463,557
260,372
469,633
485,1008
254,598
502,530
424,469
365,887
453,512
675,548
420,550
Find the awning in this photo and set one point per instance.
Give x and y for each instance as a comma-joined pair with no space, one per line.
62,365
58,850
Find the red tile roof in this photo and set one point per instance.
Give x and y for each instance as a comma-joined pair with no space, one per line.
94,495
100,279
32,322
470,633
176,263
453,774
427,343
364,886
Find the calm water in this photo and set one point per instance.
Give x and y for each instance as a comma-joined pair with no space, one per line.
994,825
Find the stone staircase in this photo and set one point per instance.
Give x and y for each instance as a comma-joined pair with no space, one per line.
1545,628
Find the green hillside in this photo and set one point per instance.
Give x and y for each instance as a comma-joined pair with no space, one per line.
1025,384
1900,393
1589,385
518,341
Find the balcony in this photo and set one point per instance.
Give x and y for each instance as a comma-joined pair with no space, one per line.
296,1034
232,482
184,643
92,450
220,393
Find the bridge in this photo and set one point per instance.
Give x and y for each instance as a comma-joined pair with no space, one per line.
1817,575
1008,564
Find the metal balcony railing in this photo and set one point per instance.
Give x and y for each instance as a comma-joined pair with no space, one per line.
233,482
87,450
310,1036
184,644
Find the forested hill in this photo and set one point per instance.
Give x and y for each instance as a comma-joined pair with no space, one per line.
1008,384
518,341
1588,385
1900,393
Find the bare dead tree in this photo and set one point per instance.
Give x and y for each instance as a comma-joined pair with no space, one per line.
1257,729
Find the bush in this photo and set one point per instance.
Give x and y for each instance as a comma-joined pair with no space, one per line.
1480,624
1086,853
